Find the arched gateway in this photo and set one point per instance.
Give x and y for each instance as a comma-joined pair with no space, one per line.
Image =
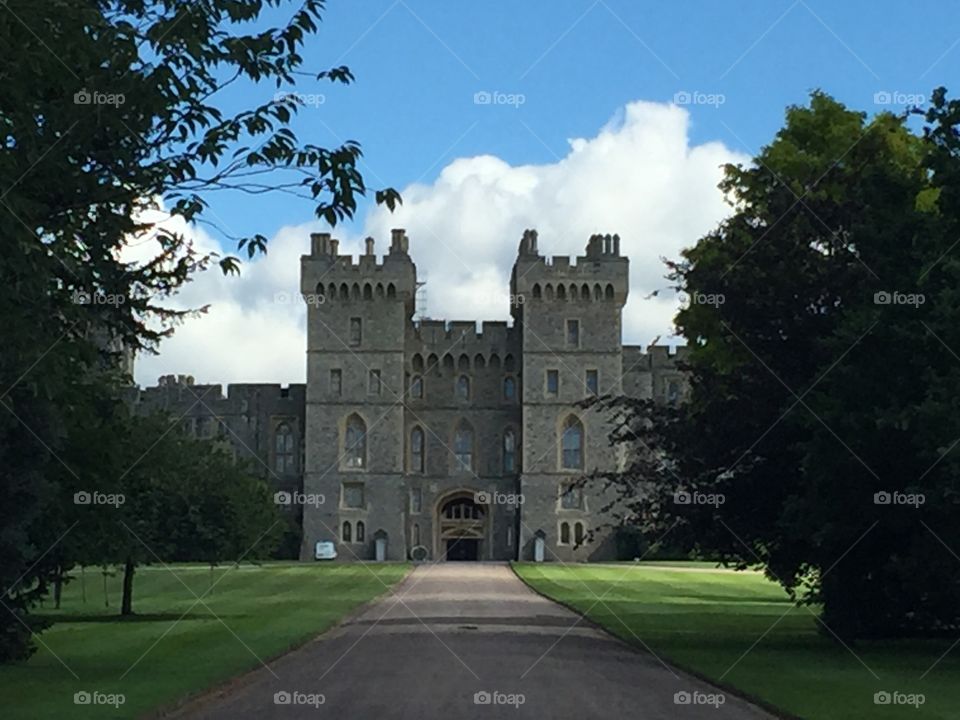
462,527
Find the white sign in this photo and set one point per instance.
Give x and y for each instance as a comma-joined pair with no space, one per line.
325,550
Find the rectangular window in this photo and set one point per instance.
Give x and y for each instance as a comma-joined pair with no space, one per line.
593,382
353,495
572,498
336,382
356,331
374,386
416,387
553,382
573,333
416,500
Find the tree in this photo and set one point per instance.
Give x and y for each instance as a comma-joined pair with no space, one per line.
817,377
109,108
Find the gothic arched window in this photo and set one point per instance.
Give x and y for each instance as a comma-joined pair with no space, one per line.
284,450
463,387
355,442
345,533
509,452
571,444
463,446
416,450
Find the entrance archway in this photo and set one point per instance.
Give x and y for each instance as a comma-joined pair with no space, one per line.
461,525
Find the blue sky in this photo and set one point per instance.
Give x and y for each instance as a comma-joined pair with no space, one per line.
577,62
591,132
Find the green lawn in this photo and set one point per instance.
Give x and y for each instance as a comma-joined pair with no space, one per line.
269,608
705,619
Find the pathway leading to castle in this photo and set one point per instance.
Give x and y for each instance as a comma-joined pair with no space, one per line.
453,634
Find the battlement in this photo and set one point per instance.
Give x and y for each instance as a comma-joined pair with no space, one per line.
637,358
492,333
325,246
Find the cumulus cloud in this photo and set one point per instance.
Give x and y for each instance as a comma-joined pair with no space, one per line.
639,177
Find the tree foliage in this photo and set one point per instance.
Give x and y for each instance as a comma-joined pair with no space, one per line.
824,383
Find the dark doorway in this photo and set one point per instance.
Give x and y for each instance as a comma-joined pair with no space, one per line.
463,549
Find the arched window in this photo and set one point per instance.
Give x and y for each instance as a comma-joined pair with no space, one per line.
361,530
344,292
609,292
345,533
433,364
597,292
494,361
564,533
463,387
391,291
379,290
508,364
577,533
284,450
418,362
572,444
548,292
561,292
509,452
585,292
463,363
367,295
355,442
463,446
509,388
673,392
321,291
332,291
416,450
416,387
448,362
478,362
537,292
355,291
574,293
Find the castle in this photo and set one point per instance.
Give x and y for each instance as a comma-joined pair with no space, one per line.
432,440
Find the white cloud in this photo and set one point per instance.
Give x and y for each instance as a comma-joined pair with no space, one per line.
639,177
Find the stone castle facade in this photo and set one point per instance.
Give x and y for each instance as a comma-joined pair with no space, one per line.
433,440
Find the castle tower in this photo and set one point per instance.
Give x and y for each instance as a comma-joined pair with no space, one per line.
357,314
570,325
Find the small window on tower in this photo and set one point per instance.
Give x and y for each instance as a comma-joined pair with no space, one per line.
336,382
553,382
356,331
374,385
593,383
573,333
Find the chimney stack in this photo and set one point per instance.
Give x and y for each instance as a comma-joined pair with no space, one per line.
334,247
399,242
369,244
319,243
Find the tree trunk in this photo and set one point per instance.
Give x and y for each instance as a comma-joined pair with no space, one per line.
57,588
126,605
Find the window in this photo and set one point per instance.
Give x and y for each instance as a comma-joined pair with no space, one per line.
416,500
345,533
463,387
463,446
509,537
572,444
578,534
356,331
564,533
336,382
361,530
571,498
509,388
355,442
573,333
553,382
593,382
353,495
284,457
416,387
373,385
509,452
416,450
673,393
415,536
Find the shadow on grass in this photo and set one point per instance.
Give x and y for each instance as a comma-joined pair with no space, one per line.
55,619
